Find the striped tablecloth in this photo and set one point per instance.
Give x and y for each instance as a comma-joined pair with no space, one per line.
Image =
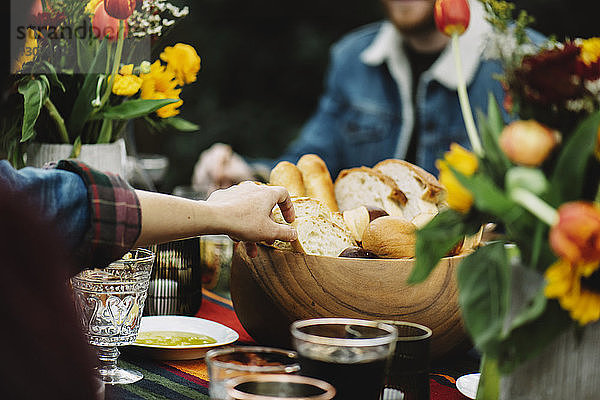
184,380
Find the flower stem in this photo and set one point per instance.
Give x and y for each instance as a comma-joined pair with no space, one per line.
116,64
464,101
535,205
58,119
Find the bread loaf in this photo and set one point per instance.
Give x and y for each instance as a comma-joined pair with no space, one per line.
289,176
364,186
423,191
317,180
390,237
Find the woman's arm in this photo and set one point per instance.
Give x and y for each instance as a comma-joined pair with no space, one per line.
242,212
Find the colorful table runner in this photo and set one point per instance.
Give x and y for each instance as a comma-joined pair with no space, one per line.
185,380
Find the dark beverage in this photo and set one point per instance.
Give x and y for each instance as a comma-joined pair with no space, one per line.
414,385
352,381
280,389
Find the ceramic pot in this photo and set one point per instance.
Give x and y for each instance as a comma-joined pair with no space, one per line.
111,157
566,369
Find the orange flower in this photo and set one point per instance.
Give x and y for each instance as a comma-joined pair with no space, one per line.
452,16
576,235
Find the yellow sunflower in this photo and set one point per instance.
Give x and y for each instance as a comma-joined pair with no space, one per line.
90,8
465,162
29,51
577,288
161,84
183,61
590,51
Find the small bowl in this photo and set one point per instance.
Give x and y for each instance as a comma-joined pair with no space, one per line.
278,287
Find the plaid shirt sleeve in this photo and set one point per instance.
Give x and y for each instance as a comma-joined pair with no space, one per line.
115,214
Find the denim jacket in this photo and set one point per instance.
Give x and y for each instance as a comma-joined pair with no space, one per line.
97,214
366,114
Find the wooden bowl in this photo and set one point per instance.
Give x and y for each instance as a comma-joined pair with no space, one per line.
277,287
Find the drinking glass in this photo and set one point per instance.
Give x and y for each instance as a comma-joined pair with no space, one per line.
351,354
408,373
278,387
233,361
110,302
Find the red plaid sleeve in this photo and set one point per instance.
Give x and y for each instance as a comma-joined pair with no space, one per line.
115,214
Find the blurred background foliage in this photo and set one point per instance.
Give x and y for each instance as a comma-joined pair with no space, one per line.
263,64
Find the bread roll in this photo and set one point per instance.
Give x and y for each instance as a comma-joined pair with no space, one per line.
364,186
390,237
317,180
289,176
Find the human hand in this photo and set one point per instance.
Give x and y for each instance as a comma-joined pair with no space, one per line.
219,167
246,213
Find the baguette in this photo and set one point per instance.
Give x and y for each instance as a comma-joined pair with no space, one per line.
289,176
317,180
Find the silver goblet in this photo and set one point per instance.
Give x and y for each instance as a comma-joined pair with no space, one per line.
110,302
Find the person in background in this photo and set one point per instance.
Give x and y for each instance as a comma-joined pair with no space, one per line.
390,91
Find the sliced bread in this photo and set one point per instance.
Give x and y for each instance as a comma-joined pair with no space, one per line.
320,236
364,186
306,209
423,191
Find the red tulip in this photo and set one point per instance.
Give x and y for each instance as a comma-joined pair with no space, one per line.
120,9
104,25
452,16
576,236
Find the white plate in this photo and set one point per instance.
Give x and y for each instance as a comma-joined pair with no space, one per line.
467,385
222,334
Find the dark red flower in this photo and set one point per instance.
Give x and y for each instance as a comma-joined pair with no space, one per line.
550,77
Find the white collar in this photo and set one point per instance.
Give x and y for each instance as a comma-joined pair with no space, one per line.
387,47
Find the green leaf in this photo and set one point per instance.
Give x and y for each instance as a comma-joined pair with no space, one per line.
487,195
53,76
434,241
83,103
85,54
484,290
181,124
105,131
569,174
495,120
35,93
133,109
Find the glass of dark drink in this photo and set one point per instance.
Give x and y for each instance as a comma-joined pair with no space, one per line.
407,377
351,354
278,387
